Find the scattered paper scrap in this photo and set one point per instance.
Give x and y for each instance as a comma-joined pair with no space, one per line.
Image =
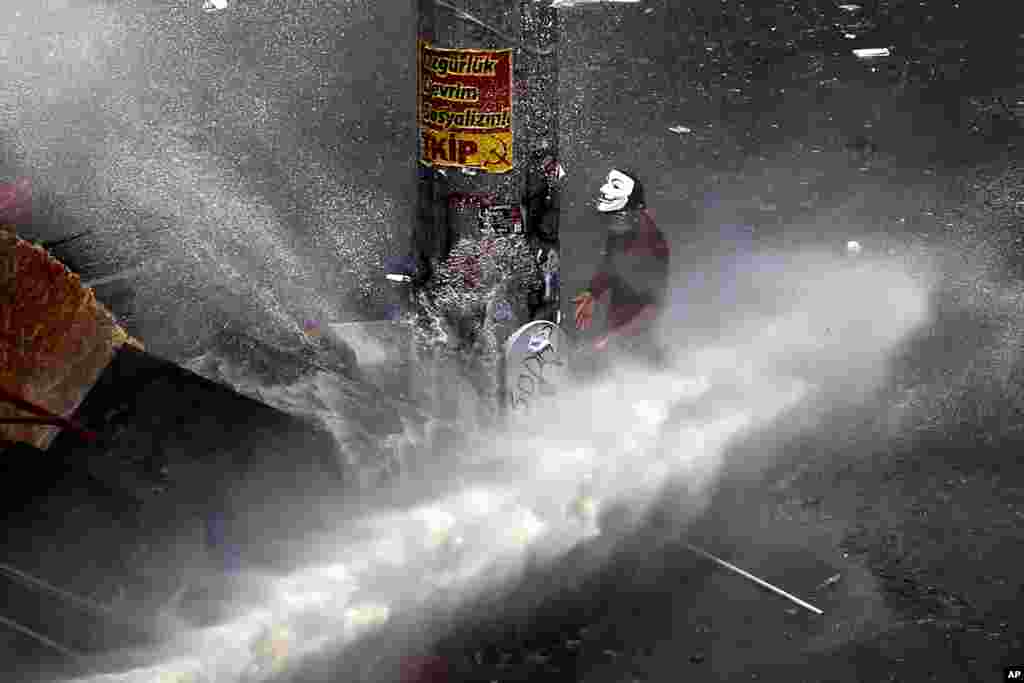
367,616
682,130
214,5
872,52
575,3
830,581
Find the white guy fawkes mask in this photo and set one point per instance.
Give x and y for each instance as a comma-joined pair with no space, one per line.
615,192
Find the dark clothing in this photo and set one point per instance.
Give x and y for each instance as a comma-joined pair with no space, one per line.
634,270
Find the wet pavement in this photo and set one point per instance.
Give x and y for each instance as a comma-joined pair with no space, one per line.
780,126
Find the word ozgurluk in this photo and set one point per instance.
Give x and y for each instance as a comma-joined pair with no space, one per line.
465,99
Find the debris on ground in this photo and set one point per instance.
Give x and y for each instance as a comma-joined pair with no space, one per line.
830,581
362,618
872,52
270,650
424,670
561,4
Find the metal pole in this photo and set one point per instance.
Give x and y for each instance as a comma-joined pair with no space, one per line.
123,275
30,407
76,600
760,582
477,185
53,645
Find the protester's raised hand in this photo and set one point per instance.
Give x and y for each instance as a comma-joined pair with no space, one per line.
584,310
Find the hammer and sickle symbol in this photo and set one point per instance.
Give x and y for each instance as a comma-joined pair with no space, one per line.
499,154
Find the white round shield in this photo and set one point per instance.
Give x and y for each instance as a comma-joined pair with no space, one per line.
536,365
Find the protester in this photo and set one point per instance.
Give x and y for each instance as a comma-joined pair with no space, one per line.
633,273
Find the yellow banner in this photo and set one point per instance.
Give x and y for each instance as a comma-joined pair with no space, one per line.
465,108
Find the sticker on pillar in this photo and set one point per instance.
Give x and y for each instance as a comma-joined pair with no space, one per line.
503,311
465,104
553,170
312,330
502,220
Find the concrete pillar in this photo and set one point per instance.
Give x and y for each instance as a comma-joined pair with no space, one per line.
486,239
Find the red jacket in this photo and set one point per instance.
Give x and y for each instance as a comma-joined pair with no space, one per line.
634,270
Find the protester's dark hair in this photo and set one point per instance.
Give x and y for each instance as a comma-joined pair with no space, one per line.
636,198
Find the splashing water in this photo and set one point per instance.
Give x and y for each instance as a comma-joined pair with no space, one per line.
614,436
225,237
619,439
224,233
471,539
168,179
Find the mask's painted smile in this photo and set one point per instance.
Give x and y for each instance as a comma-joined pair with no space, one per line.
615,193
